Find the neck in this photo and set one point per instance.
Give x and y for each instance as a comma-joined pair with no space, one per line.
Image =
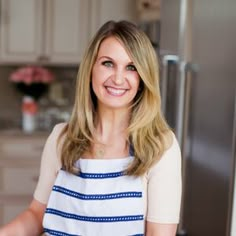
111,135
111,125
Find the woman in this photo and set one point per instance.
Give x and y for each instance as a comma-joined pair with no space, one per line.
115,168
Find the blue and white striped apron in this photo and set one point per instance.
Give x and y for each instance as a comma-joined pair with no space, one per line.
101,200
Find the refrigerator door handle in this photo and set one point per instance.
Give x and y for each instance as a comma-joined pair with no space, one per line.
183,102
166,59
231,225
186,71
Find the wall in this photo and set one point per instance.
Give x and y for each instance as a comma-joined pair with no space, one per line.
10,98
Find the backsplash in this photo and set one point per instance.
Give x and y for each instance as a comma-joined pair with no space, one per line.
54,106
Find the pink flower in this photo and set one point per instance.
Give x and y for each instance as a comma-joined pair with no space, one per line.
32,74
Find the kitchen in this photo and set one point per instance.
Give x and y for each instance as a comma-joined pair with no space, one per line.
50,35
197,76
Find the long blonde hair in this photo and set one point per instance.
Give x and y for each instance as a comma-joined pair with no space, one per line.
147,130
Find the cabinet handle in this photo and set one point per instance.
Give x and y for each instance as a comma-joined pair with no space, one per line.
35,178
5,16
43,58
37,148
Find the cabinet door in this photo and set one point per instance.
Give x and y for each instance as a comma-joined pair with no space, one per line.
66,30
21,30
104,10
12,208
19,181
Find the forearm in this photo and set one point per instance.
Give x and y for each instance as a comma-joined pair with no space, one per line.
155,229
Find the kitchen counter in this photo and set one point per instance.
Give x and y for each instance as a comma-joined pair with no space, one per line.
20,133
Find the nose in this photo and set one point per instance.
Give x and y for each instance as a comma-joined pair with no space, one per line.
118,77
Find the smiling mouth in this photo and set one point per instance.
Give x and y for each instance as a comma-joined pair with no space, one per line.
115,91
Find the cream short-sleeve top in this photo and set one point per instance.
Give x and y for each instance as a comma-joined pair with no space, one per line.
162,184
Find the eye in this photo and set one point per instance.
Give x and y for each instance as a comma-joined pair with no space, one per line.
131,68
107,63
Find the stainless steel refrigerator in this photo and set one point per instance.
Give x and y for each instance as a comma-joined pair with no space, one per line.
198,81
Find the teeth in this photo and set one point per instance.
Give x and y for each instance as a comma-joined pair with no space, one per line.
116,91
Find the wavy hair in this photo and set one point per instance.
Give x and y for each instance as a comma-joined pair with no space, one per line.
147,131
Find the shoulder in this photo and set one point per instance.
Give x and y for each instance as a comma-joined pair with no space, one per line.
57,132
170,159
53,144
58,129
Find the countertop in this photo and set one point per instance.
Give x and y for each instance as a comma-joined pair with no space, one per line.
21,133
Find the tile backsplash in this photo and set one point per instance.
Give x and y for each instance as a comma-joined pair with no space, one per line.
54,106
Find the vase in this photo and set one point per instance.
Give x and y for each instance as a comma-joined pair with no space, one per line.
29,112
34,90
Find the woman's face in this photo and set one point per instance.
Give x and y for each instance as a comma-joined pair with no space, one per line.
115,80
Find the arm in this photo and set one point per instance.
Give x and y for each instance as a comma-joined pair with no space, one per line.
156,229
29,223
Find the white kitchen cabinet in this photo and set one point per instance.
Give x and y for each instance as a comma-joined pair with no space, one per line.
104,10
67,30
55,31
21,30
42,31
20,157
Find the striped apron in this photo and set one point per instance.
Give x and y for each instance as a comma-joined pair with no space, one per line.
100,201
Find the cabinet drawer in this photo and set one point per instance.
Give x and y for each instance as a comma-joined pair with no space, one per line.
22,148
9,211
16,180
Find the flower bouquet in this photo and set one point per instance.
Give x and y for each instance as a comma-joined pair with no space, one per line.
32,81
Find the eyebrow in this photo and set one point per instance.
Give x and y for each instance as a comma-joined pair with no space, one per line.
105,57
110,58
